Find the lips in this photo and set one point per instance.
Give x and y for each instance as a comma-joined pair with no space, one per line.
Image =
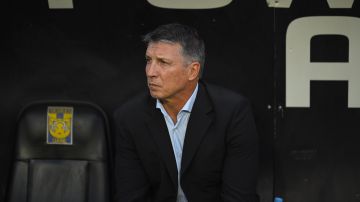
153,86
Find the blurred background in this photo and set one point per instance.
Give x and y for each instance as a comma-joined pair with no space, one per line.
91,50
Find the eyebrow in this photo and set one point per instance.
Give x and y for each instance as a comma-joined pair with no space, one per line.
158,58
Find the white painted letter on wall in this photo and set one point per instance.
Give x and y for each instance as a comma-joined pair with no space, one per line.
300,71
331,3
189,4
340,3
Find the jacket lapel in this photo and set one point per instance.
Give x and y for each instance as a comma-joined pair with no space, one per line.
199,122
158,129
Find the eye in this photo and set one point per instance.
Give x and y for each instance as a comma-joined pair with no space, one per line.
163,62
148,60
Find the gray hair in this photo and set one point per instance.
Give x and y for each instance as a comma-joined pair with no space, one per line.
192,45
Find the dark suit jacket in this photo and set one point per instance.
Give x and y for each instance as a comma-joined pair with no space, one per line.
219,161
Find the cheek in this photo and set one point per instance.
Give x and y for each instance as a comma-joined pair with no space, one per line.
180,78
174,79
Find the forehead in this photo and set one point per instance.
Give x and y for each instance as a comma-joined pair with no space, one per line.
163,48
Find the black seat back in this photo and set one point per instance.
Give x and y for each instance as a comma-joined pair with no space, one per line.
61,154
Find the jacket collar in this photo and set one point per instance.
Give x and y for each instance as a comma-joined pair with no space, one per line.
200,120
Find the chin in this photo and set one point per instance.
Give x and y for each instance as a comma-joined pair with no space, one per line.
155,95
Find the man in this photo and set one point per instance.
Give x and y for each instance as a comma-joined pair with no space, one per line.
185,140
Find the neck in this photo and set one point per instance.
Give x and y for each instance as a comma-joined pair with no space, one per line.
174,105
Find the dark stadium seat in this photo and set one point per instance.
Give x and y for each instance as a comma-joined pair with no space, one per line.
61,154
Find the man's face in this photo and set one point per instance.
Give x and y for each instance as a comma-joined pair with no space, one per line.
167,71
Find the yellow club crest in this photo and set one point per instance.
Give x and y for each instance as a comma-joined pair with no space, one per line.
60,125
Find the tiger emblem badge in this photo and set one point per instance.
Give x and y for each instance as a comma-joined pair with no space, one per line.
60,125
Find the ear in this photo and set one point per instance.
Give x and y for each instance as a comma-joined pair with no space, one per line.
194,71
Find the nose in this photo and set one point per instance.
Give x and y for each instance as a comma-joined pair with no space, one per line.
151,69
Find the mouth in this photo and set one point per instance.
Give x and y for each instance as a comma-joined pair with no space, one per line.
153,86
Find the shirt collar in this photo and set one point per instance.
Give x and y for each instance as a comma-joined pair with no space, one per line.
188,105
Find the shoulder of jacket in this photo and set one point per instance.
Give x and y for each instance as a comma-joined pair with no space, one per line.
224,95
133,105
